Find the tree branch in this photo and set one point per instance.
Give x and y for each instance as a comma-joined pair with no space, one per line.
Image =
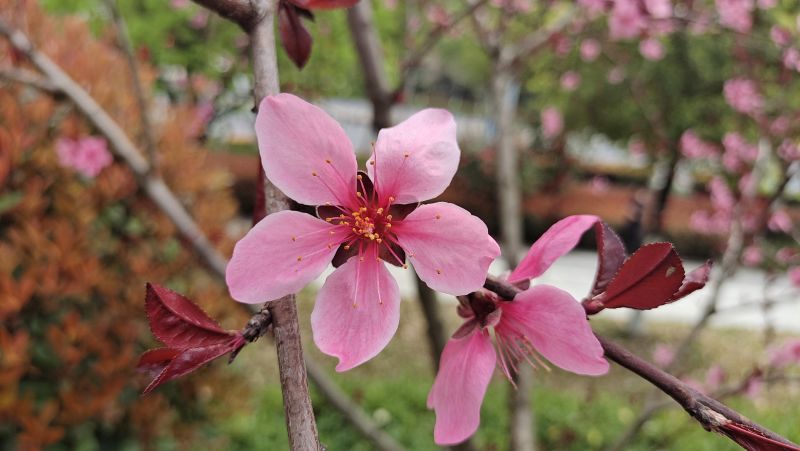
710,413
29,78
124,43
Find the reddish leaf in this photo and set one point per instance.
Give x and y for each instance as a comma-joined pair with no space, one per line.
647,279
295,38
178,322
610,256
154,361
324,4
186,361
753,440
695,280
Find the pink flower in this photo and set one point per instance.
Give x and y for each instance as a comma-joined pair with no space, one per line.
789,151
780,36
367,218
791,58
787,354
659,9
780,221
743,96
542,320
625,21
199,20
87,155
736,14
663,355
552,122
593,7
794,276
721,196
692,146
752,255
570,80
715,377
767,4
590,50
651,49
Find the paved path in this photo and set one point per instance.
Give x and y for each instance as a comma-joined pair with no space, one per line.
575,273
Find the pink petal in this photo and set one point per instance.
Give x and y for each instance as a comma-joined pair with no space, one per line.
357,312
280,255
556,326
559,239
450,249
297,140
416,159
465,370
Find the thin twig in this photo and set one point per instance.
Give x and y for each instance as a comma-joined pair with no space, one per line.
28,78
124,43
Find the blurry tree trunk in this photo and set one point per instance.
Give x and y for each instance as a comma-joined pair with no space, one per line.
370,55
505,95
505,98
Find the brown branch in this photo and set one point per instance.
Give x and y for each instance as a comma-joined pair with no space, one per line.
29,78
300,422
124,42
710,413
370,55
244,13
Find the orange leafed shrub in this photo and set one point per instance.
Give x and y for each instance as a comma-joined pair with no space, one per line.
75,254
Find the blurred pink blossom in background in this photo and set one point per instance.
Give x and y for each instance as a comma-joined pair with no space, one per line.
780,36
736,14
570,80
651,49
590,50
794,276
663,355
752,256
87,155
789,151
626,20
552,122
743,96
659,9
786,354
692,146
780,221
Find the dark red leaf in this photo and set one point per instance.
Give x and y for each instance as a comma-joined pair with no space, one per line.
610,256
324,4
646,280
186,361
753,440
154,361
695,280
295,38
178,322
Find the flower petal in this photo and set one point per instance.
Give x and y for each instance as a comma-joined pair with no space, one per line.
357,312
416,159
559,239
298,140
465,370
556,325
280,255
450,249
